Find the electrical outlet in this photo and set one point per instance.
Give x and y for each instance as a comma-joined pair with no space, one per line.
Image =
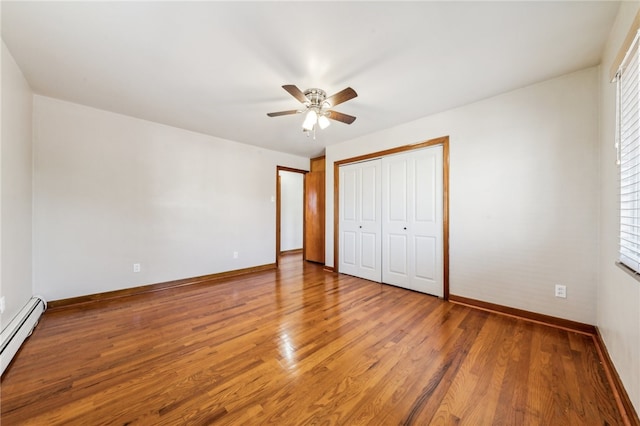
3,305
136,267
235,254
561,291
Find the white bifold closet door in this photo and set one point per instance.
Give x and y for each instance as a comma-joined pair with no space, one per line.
391,220
360,221
412,220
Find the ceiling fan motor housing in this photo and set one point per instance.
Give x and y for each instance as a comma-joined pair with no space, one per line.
316,97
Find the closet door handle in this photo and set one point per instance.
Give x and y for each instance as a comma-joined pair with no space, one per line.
405,228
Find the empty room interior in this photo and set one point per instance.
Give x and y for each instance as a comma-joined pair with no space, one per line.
320,212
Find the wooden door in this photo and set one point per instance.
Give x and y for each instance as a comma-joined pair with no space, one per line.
314,216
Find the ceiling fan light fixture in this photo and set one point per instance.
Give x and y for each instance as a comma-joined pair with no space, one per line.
323,122
310,120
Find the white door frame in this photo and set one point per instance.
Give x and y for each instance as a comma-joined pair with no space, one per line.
444,141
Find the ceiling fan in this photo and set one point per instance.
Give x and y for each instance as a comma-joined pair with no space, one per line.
317,107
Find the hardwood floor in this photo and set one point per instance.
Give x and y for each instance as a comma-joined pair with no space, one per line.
301,346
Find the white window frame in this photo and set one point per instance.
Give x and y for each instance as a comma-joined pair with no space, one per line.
627,80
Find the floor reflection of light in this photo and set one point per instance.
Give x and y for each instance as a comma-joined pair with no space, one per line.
287,350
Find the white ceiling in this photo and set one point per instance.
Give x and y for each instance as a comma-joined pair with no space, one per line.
218,67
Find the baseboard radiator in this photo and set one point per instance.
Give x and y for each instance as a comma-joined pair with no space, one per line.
20,327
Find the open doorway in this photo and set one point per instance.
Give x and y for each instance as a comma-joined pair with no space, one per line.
290,211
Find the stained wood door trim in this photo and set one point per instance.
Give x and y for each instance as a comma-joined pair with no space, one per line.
444,141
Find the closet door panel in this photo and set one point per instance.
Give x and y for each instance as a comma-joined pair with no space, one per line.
349,248
397,244
348,199
368,251
395,184
370,225
396,209
360,224
412,220
349,228
425,255
369,193
426,222
425,183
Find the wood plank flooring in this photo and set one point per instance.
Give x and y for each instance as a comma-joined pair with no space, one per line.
301,346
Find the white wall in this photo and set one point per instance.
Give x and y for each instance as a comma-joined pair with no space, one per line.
523,203
291,210
16,277
112,190
618,293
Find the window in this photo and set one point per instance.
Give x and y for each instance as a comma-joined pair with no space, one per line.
627,78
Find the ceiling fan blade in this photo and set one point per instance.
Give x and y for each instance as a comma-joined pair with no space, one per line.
338,116
279,113
340,97
295,92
